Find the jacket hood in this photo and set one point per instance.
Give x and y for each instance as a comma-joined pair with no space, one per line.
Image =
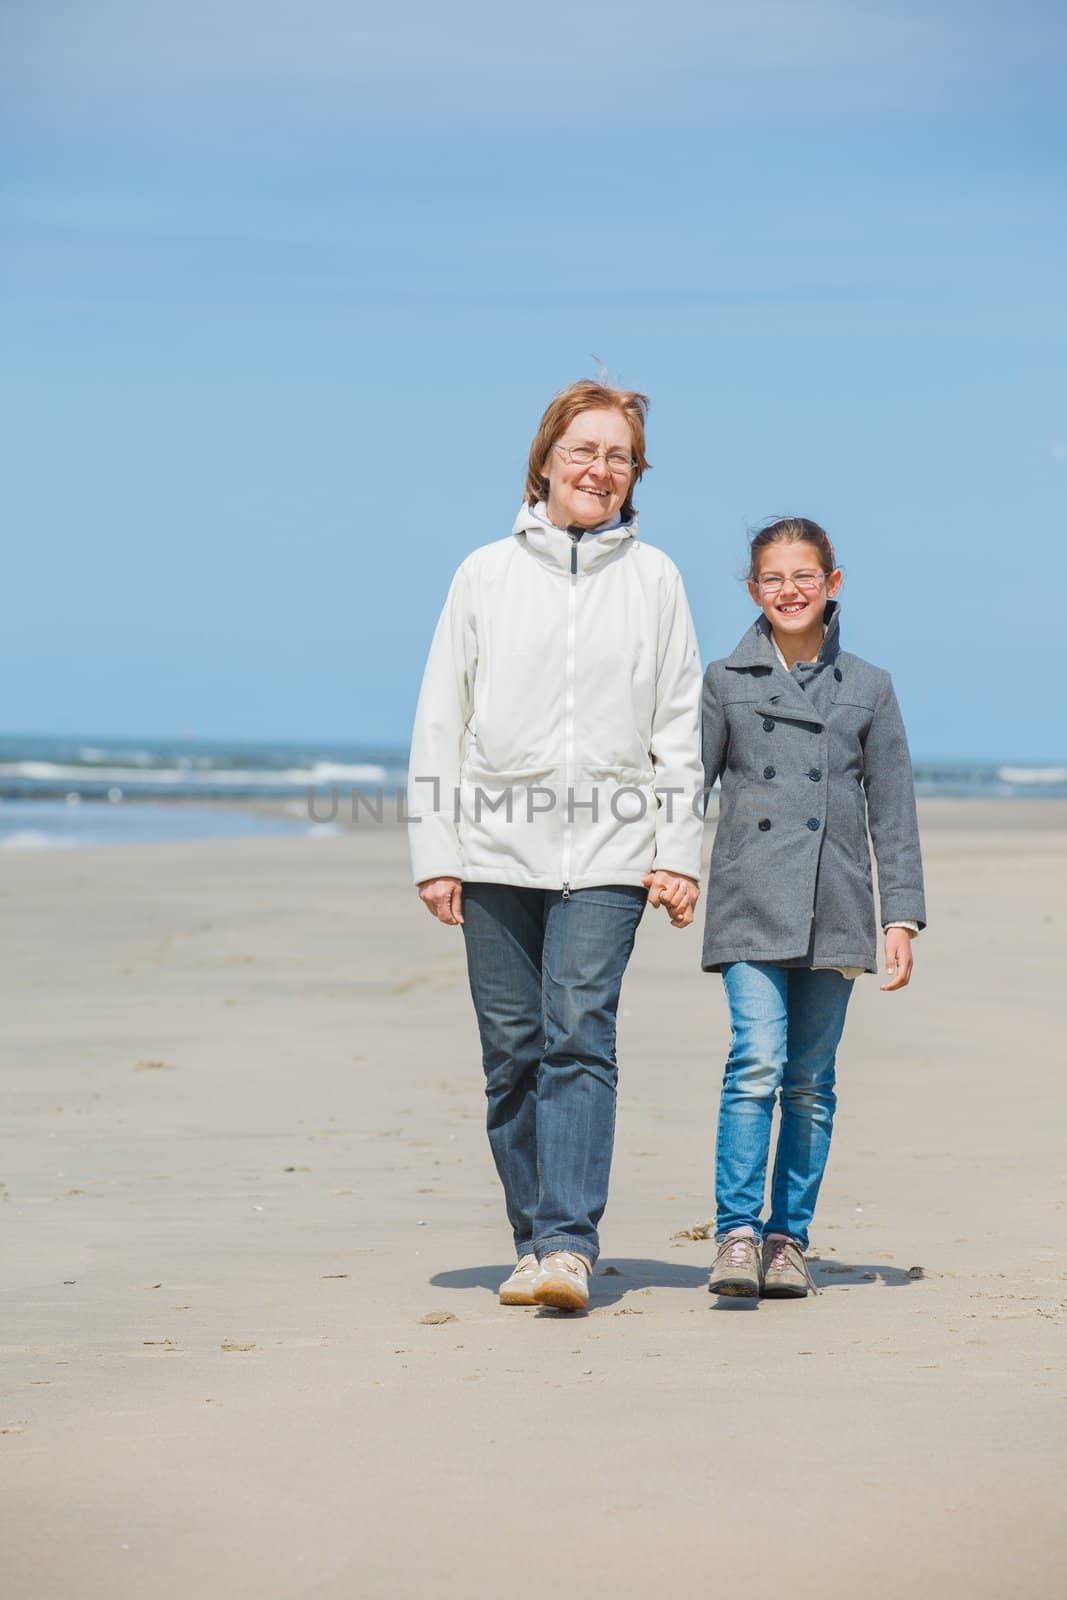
756,648
554,547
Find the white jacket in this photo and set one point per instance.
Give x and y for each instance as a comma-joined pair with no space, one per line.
560,704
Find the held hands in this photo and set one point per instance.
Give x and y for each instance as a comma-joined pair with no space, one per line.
676,893
443,899
898,960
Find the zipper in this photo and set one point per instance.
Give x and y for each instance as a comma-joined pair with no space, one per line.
568,720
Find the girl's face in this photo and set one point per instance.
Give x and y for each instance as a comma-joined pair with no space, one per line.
792,589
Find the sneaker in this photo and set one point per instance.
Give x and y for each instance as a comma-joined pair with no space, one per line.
786,1275
563,1281
518,1289
737,1266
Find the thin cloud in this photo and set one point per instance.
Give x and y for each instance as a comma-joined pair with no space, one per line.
476,62
333,39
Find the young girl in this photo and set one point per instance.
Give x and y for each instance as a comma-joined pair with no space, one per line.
811,750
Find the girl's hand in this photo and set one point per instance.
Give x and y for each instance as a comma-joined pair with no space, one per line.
897,958
676,892
443,899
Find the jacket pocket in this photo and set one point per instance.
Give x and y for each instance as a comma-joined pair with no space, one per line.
611,795
740,813
518,777
863,849
489,799
612,778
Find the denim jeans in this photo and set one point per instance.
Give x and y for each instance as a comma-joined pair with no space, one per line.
545,976
787,1023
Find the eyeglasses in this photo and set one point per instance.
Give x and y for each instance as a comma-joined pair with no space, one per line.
802,580
583,455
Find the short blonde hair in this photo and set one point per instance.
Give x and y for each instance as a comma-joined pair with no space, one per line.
561,412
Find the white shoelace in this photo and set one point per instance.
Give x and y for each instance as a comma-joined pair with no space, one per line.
736,1249
781,1259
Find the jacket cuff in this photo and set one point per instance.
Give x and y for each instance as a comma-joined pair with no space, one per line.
680,851
680,871
435,851
903,906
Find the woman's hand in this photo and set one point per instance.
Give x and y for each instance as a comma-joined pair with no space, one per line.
443,899
897,958
676,892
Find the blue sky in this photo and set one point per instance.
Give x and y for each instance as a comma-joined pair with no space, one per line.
286,288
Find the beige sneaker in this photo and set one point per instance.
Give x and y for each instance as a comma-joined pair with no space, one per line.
518,1289
786,1275
737,1266
563,1282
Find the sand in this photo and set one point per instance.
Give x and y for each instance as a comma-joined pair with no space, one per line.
251,1345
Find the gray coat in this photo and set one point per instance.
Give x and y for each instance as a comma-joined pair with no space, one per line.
798,753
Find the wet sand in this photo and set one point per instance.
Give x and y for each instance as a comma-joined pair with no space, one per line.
243,1163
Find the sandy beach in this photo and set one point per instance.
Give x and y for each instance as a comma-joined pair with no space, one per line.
251,1344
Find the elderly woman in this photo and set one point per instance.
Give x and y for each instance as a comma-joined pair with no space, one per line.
555,766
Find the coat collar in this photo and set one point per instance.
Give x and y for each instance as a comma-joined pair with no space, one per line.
781,695
756,648
554,547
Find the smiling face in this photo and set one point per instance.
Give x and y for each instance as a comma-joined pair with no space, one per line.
581,496
792,589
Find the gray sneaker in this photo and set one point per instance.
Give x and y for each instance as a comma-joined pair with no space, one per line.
786,1275
737,1266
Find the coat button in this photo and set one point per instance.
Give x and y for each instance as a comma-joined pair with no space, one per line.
813,824
767,724
838,674
815,774
768,772
763,824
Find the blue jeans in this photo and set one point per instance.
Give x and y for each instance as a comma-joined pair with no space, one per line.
787,1023
545,976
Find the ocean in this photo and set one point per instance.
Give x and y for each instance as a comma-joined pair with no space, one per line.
60,793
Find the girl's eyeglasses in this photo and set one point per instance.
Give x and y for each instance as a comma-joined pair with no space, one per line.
802,580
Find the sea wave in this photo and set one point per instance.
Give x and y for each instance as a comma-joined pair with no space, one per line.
1025,775
95,767
186,775
90,756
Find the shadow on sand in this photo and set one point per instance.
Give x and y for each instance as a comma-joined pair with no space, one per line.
832,1275
849,1275
622,1275
612,1279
